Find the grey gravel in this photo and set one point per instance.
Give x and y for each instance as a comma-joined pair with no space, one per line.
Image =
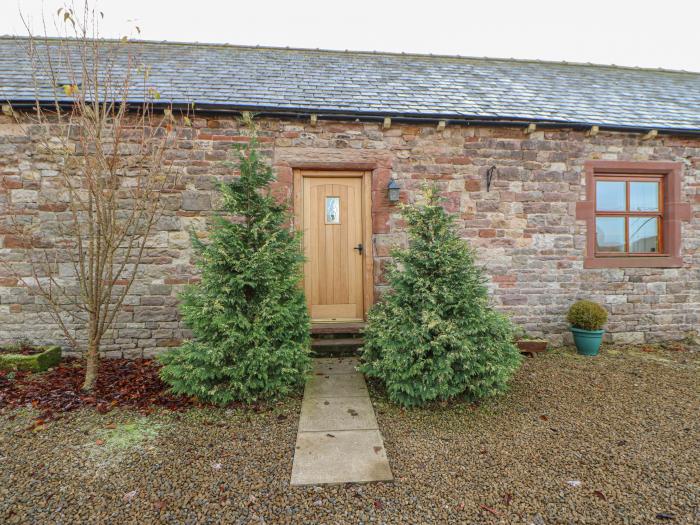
625,425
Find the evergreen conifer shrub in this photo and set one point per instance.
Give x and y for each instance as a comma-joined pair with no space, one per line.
248,314
587,315
434,335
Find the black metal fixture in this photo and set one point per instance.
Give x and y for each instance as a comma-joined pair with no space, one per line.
393,190
490,174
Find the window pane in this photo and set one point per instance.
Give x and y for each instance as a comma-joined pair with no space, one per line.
644,196
610,195
610,234
644,234
332,210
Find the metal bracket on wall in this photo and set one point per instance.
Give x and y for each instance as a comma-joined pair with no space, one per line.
650,135
490,173
531,128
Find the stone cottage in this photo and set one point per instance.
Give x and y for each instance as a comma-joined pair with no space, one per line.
570,180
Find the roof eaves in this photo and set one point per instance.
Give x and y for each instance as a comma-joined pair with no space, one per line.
343,114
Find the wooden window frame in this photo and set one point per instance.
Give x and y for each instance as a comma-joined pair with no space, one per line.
627,213
671,213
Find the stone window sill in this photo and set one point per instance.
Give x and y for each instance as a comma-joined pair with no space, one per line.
658,261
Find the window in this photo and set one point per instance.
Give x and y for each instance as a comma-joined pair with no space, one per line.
633,214
628,215
332,210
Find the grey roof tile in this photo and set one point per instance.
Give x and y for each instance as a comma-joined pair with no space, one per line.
390,84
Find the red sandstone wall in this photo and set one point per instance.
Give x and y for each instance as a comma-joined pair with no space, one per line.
525,228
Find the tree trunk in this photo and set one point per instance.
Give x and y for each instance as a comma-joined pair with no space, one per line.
92,359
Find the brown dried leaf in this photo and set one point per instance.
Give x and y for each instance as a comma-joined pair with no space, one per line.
489,509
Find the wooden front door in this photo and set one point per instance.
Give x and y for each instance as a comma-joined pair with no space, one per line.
333,224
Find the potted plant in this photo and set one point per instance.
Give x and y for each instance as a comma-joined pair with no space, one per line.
587,319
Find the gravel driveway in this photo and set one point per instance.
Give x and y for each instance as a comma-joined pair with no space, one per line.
613,439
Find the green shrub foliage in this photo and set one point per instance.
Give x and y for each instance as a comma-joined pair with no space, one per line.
434,335
587,315
248,314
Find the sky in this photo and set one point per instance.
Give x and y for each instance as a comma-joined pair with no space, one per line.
639,33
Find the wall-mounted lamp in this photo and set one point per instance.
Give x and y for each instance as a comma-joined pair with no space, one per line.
393,191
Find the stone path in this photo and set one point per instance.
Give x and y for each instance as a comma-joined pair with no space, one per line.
338,440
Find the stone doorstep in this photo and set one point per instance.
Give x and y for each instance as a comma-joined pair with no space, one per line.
336,413
340,456
335,365
336,385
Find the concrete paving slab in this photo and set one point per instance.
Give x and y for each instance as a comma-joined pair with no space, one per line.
335,365
337,413
336,385
338,440
347,456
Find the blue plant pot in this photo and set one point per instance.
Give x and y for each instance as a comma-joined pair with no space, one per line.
587,341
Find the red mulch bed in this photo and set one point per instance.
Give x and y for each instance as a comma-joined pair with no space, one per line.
121,383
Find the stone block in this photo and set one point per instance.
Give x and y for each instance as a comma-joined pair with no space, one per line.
196,201
169,223
152,301
627,337
155,313
24,196
160,289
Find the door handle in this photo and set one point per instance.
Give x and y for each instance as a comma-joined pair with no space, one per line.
359,248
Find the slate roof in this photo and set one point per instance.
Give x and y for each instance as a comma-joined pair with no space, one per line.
384,84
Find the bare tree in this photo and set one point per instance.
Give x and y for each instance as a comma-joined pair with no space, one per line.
109,153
